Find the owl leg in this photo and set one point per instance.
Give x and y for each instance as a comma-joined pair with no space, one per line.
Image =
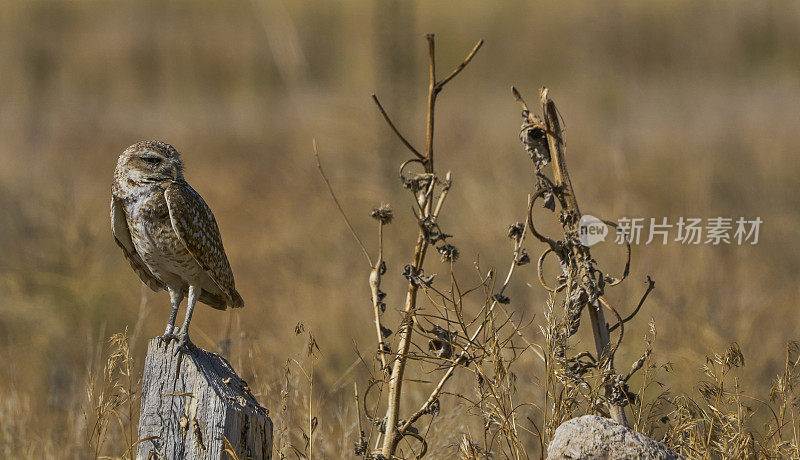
183,335
175,296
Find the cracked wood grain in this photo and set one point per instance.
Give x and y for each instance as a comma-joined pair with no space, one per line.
193,402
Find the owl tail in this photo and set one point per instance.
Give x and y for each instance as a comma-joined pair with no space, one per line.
236,299
217,301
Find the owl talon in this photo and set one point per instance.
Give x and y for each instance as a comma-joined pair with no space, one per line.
167,338
183,344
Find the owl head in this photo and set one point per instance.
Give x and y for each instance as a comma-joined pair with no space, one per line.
150,162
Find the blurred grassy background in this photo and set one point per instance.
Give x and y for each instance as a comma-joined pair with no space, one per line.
672,109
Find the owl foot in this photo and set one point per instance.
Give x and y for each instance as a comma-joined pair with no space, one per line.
168,337
183,343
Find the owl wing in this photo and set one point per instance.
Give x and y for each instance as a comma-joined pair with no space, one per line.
122,235
196,227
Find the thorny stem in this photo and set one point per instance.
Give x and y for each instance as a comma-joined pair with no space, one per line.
393,435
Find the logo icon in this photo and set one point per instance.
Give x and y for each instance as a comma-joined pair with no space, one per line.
592,230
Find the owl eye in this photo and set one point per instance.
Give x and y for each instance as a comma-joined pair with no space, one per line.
151,160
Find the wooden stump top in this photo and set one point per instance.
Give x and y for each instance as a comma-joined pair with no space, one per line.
194,406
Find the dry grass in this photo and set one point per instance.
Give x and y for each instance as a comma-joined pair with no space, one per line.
110,412
672,109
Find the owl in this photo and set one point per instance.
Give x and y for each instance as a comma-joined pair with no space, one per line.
169,234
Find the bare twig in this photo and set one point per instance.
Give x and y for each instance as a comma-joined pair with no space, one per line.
461,66
395,130
464,355
435,87
339,206
650,286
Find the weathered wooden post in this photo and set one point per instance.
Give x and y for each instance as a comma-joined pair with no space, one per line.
194,406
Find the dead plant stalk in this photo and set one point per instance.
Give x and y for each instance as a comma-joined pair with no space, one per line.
393,434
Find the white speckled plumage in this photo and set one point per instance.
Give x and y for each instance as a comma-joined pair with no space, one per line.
167,231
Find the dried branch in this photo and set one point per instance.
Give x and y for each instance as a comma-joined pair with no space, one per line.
435,87
553,244
339,206
626,271
461,66
544,140
650,286
429,212
396,131
464,355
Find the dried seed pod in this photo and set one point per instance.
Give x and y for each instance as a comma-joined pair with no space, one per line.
534,138
448,252
442,344
382,213
515,230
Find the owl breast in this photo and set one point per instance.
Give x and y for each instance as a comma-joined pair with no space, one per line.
158,245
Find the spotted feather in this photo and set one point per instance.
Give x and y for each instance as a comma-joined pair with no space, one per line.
196,227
